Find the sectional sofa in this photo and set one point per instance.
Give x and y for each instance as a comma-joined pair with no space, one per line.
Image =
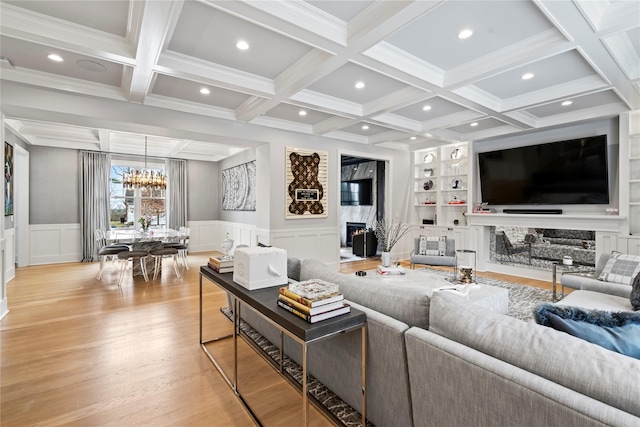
436,359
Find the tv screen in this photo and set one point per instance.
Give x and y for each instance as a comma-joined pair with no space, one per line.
356,192
556,173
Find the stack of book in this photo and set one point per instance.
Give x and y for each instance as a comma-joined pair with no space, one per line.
390,271
220,264
313,300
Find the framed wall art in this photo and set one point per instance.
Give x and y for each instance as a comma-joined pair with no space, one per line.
239,187
306,181
8,179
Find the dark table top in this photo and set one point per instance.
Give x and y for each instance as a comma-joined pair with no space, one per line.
264,301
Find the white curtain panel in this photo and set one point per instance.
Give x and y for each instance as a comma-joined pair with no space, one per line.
176,196
94,199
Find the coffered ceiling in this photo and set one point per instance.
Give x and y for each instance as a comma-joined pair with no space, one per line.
423,84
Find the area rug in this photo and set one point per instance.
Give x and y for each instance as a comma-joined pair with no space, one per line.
341,411
522,299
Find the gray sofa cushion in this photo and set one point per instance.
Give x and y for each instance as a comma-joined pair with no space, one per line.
408,303
576,364
576,281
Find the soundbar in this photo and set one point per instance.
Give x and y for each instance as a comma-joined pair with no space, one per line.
533,211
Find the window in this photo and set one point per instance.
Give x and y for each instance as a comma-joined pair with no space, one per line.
128,205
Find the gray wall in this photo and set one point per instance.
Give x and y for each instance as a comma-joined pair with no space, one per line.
53,186
203,190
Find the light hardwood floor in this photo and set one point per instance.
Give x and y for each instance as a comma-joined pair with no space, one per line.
78,351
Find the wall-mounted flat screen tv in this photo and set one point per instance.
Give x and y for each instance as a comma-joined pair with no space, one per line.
557,173
356,192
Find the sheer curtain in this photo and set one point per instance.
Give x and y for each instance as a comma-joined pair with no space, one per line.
94,199
176,197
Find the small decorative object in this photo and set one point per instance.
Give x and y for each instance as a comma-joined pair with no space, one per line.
465,266
456,222
388,234
456,154
456,184
429,158
428,185
428,171
145,223
227,244
567,260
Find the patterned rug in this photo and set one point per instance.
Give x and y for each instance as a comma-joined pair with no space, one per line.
522,300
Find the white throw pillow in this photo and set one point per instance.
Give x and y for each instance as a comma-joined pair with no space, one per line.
435,246
620,268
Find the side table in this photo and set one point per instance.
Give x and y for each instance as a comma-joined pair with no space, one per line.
564,269
263,303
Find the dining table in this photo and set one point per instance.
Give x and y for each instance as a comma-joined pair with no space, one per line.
116,235
148,240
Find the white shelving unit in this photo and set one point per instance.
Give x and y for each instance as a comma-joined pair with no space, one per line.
634,184
441,187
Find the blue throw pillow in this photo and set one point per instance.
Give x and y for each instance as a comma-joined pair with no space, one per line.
616,331
634,296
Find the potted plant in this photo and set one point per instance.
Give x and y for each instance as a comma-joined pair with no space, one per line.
144,222
388,234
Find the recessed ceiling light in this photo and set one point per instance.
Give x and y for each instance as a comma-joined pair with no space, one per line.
474,124
565,103
205,91
302,113
428,135
426,107
359,85
465,34
412,138
527,76
365,127
242,45
54,57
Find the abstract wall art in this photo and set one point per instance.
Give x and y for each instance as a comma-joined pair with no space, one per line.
239,187
8,179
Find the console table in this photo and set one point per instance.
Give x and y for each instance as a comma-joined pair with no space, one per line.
263,303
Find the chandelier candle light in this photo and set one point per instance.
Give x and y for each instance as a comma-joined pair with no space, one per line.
144,178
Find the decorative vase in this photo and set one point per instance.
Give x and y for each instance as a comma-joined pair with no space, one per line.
385,257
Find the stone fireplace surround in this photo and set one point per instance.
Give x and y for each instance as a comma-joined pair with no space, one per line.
606,227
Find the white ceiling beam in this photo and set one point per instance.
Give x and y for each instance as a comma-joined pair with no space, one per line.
332,124
158,20
104,138
36,28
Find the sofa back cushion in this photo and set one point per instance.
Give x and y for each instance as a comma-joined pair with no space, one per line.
406,302
569,361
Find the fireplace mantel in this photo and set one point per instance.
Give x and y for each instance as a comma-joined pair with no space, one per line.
607,223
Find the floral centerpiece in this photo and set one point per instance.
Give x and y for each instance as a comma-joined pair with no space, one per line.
144,222
388,234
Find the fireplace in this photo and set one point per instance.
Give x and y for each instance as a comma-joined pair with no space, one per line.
352,228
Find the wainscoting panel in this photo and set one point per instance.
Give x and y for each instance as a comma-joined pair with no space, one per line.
208,235
319,243
9,254
54,243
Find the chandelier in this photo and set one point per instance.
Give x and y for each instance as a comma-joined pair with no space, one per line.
144,178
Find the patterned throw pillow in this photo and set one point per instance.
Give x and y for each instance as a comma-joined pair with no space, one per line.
432,245
635,293
621,268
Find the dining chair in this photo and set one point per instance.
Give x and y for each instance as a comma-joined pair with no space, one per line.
165,252
106,251
133,256
182,245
